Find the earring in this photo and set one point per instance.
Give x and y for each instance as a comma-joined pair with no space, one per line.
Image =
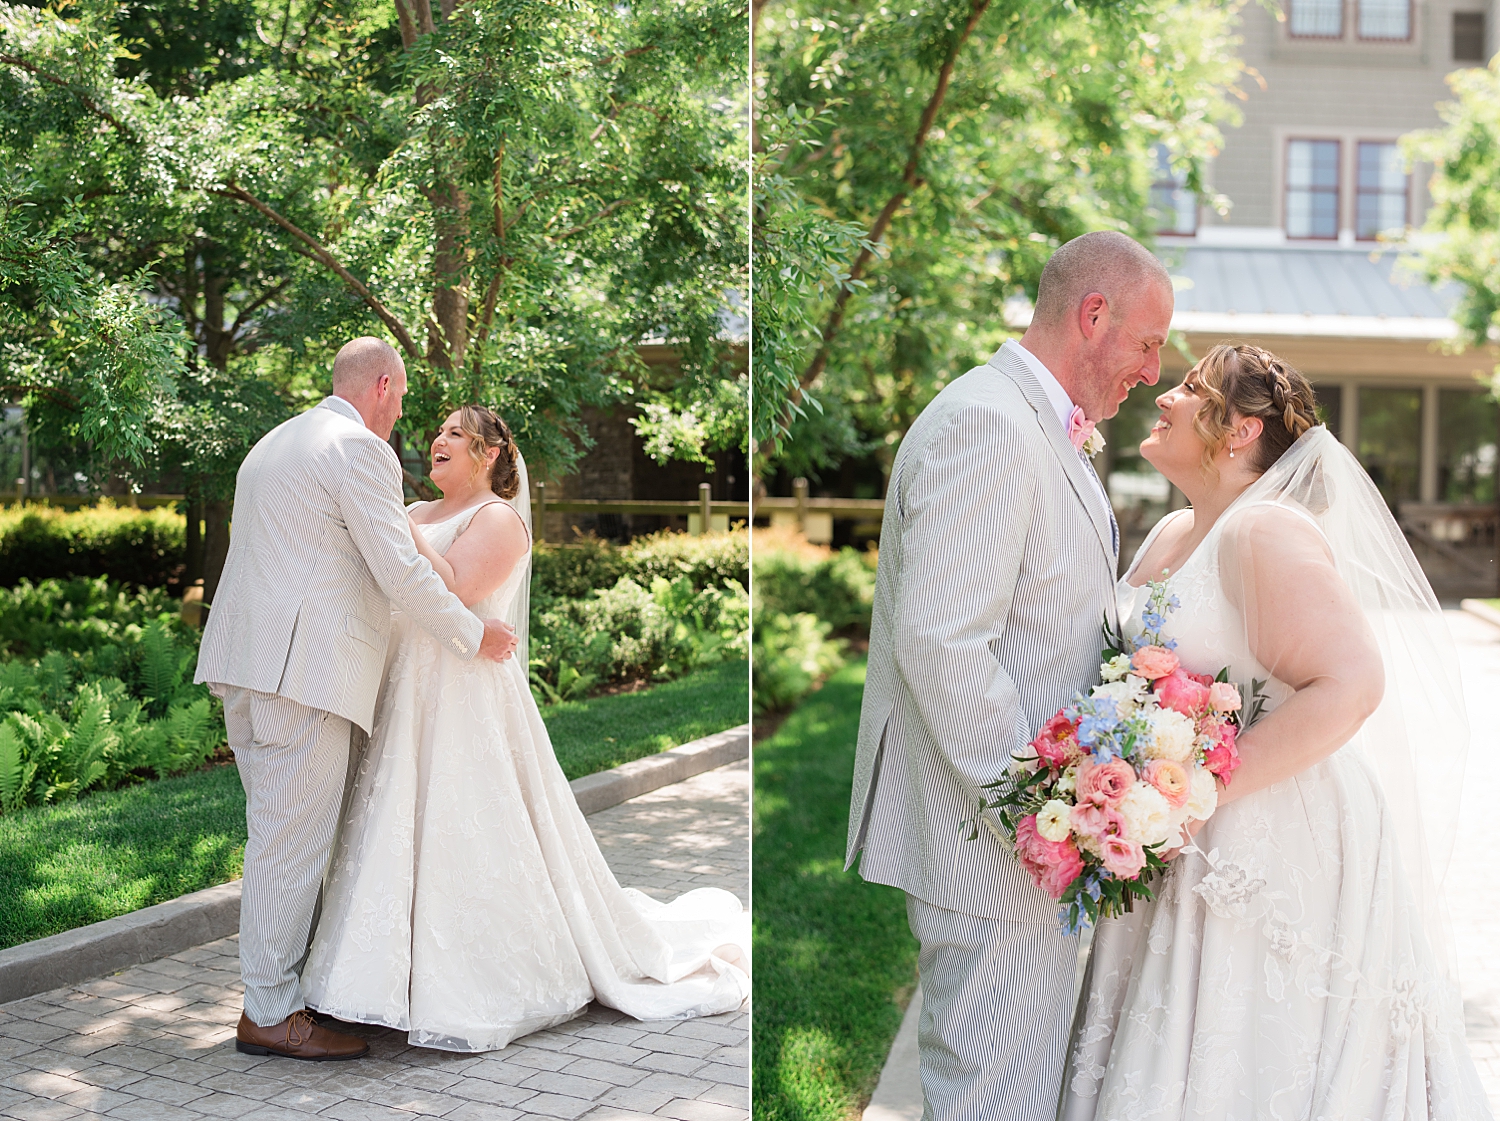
1231,451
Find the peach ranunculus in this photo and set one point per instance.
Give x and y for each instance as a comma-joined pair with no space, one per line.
1123,858
1224,757
1053,864
1181,693
1152,662
1223,696
1103,782
1170,780
1056,743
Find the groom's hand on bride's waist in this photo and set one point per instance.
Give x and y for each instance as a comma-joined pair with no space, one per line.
499,641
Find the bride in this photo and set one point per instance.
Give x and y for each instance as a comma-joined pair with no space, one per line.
467,902
1293,963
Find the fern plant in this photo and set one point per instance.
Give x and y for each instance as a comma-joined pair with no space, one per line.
17,772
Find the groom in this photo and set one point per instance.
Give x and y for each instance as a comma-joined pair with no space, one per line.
295,645
997,568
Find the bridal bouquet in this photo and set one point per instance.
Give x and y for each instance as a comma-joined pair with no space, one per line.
1109,782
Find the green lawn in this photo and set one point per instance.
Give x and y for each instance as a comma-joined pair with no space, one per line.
603,732
120,850
834,961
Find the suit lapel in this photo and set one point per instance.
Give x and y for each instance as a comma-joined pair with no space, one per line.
1072,463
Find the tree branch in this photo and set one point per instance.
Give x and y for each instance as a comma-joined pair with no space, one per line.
605,213
426,489
323,256
88,102
910,182
492,293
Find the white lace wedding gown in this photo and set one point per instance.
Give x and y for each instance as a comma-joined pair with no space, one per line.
468,902
1288,976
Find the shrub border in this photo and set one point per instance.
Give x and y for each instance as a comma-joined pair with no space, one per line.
205,916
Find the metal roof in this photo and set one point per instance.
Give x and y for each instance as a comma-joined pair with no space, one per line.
1289,290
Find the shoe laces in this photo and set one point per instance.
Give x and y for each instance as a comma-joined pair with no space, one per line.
299,1028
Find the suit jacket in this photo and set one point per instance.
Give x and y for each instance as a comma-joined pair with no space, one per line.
320,551
997,572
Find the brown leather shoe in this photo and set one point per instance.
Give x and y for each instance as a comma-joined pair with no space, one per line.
297,1037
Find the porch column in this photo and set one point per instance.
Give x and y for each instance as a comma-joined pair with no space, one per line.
1427,472
1349,416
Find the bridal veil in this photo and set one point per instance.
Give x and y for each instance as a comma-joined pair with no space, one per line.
1417,739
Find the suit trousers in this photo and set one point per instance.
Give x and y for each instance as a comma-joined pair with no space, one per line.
997,1005
293,762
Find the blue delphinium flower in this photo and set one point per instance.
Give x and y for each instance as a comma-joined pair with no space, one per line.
1153,622
1098,723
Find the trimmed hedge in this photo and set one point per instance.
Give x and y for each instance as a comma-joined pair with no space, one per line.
141,547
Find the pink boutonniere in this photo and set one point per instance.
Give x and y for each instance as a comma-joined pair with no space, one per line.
1083,435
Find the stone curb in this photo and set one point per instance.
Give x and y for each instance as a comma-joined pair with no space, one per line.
1482,609
213,913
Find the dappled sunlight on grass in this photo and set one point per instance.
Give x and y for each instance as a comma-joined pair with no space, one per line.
834,960
114,852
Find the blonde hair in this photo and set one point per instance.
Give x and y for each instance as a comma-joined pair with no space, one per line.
1246,381
486,430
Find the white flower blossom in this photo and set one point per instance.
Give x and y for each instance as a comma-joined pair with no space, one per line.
1116,668
1052,821
1067,782
1128,694
1203,798
1148,816
1172,736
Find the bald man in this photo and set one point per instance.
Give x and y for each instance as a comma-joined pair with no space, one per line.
295,645
997,568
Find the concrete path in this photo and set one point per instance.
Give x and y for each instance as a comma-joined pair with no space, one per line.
156,1042
1473,911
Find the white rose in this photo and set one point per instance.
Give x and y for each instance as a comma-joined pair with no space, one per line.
1203,797
1116,668
1052,821
1172,736
1148,816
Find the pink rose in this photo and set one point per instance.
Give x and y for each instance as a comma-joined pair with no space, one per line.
1181,693
1123,859
1053,865
1152,662
1223,697
1104,782
1171,779
1203,679
1224,757
1056,744
1096,821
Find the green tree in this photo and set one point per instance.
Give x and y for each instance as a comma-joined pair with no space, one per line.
917,165
516,192
1465,187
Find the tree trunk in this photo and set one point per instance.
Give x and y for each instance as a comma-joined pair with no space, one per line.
448,335
194,570
215,545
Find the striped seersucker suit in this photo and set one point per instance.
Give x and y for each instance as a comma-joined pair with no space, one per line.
296,645
997,569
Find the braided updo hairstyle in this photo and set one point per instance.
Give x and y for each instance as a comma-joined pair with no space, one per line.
485,430
1246,381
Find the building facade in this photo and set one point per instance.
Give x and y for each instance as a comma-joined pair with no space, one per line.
1307,262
